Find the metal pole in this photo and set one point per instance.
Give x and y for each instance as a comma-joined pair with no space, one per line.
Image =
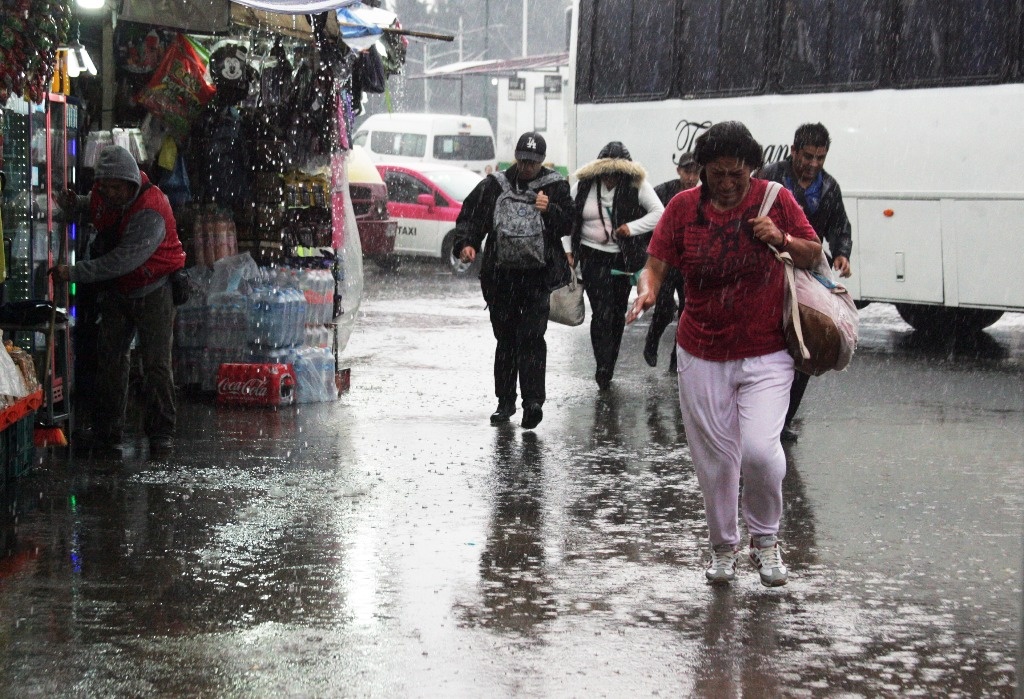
487,54
426,82
525,25
462,78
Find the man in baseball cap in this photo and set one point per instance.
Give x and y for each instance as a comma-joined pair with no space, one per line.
517,295
666,310
531,147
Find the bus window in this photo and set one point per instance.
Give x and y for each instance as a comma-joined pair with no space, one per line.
724,44
632,51
939,44
826,44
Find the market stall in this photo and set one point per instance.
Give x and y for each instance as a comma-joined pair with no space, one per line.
241,115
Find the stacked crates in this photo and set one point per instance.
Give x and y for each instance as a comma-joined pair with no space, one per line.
18,447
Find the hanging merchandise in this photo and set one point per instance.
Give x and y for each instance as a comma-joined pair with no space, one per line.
396,47
232,75
275,79
221,157
370,71
180,86
312,130
139,49
174,182
30,32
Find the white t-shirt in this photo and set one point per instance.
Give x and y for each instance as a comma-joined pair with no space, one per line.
597,233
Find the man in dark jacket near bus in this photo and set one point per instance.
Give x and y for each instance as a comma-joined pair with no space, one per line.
517,295
136,250
819,196
665,309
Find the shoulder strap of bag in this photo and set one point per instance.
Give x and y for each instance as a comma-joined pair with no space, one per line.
544,181
770,195
502,179
795,307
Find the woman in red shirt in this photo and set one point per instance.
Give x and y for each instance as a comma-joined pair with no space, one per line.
733,368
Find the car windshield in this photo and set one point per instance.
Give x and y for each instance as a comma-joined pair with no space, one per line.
456,183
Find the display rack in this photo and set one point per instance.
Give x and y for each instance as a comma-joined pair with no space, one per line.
40,149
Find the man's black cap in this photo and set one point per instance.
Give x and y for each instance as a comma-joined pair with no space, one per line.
531,146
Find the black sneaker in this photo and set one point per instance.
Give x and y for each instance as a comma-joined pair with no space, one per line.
160,447
651,356
503,413
532,415
97,448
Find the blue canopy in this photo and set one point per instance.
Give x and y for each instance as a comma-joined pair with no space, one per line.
361,25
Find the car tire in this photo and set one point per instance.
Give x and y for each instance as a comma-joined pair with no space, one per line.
457,266
388,263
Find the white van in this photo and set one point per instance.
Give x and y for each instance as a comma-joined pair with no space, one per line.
450,139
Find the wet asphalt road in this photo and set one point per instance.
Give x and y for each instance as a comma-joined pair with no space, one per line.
395,544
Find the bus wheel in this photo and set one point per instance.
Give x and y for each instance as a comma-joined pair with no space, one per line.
457,266
942,320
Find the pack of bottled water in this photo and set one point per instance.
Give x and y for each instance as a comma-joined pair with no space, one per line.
276,315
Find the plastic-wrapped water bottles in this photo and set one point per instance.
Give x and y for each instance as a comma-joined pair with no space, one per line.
261,331
314,375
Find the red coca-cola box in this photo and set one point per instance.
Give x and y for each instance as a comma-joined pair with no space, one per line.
256,384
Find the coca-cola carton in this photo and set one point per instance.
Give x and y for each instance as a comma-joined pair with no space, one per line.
256,384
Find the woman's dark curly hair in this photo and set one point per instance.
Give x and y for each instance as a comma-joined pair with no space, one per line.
730,139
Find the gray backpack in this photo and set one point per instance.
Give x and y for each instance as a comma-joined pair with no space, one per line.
518,226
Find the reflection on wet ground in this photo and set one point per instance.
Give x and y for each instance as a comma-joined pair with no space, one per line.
395,544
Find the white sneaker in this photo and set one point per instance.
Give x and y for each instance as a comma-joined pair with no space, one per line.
766,554
722,568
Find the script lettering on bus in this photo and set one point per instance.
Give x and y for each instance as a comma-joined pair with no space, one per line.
686,133
775,153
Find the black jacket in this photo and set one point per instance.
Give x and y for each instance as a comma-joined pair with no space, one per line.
667,190
476,221
829,221
625,206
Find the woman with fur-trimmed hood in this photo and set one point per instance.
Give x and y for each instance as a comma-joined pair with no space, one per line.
616,211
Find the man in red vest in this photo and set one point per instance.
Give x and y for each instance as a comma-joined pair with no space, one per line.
135,252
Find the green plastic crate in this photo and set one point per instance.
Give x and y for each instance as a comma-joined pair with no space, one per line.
18,449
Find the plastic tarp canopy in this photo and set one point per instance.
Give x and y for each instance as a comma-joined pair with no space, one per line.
214,16
361,25
206,16
297,7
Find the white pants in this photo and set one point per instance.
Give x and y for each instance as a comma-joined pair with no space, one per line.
733,413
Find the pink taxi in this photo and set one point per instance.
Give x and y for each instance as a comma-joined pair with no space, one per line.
425,199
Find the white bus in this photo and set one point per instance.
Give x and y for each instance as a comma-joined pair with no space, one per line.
924,102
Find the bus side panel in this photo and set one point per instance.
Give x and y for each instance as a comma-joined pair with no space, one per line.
900,250
989,247
852,283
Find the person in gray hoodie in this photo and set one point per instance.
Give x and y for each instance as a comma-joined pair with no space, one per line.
135,252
